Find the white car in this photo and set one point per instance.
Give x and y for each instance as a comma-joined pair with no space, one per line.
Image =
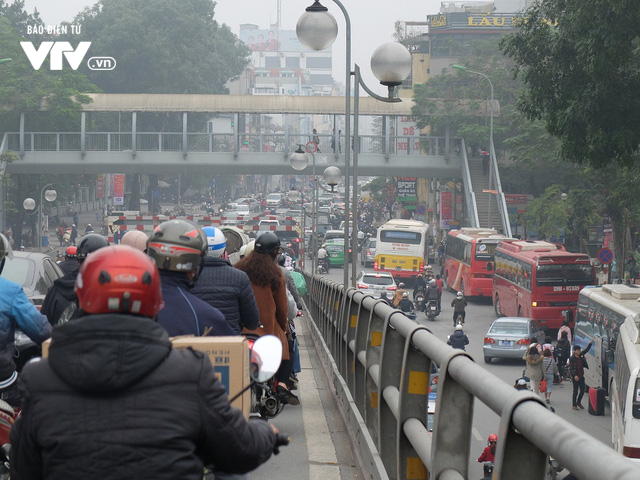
275,200
376,283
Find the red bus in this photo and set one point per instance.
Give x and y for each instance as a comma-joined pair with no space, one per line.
468,260
539,280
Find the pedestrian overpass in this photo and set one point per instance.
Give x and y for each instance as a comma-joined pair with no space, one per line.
238,152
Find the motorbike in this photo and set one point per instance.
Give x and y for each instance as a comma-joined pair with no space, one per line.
432,310
7,418
419,300
322,266
264,399
553,469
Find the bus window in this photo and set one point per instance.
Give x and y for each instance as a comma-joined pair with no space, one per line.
564,274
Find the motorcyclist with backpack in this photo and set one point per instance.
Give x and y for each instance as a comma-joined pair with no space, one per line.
114,399
459,303
459,339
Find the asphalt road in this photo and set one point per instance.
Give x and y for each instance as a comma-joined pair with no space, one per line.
480,315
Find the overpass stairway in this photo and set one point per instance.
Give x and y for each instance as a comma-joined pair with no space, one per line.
480,182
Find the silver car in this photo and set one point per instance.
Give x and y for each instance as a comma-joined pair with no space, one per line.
509,337
35,272
368,253
376,283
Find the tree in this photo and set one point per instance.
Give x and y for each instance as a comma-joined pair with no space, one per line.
580,62
549,213
161,46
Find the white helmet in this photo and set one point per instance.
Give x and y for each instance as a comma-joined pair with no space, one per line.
242,250
249,248
216,241
405,295
459,327
433,283
459,294
136,239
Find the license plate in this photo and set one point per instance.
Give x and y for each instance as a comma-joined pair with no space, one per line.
563,313
334,255
504,343
434,308
398,268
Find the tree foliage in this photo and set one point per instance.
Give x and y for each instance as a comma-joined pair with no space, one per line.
161,46
580,62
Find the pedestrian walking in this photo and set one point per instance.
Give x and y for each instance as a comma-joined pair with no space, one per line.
563,351
577,364
534,369
550,370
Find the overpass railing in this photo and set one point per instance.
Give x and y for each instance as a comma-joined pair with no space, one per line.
500,200
214,142
380,365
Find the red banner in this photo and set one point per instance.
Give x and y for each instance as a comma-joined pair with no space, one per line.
100,186
118,189
446,209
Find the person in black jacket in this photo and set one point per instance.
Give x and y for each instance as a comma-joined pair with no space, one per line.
178,247
61,302
226,288
459,339
113,399
577,364
70,262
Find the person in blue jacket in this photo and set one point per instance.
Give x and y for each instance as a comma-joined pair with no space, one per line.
178,247
16,311
224,287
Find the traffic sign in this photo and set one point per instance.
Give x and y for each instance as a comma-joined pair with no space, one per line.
421,209
605,255
312,147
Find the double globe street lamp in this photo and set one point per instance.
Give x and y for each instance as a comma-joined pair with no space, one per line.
29,204
332,175
390,63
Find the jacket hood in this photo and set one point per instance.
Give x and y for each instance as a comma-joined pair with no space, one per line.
107,352
216,262
66,284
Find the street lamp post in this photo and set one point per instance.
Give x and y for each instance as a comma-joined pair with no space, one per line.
300,161
30,204
492,152
296,195
317,29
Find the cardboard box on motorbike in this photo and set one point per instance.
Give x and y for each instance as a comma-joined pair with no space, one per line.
229,357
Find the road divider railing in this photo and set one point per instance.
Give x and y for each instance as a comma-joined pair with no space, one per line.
379,363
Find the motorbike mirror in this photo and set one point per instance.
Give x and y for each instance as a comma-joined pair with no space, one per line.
266,356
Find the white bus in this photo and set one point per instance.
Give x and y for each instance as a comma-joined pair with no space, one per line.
402,248
610,316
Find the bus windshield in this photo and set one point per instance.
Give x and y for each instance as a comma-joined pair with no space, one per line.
485,251
394,236
564,274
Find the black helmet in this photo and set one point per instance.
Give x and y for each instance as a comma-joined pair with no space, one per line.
89,244
267,243
178,246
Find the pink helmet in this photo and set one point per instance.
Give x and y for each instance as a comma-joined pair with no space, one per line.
136,239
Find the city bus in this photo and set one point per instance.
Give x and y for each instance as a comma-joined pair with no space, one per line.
468,260
539,280
610,317
401,248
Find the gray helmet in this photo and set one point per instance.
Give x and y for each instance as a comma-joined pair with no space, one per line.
89,244
177,246
267,243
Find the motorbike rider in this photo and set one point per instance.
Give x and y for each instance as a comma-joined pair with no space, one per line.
458,304
459,339
178,247
405,304
61,302
88,229
489,453
323,257
420,284
433,292
16,311
224,287
70,262
114,369
384,297
397,297
428,273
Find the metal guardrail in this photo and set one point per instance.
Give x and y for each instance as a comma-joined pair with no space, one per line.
469,194
381,363
500,200
213,142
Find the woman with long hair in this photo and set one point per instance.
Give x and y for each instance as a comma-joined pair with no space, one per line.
269,288
535,368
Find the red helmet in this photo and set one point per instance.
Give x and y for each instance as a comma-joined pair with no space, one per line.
119,279
493,438
71,252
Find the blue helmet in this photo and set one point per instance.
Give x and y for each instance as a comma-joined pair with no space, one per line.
216,241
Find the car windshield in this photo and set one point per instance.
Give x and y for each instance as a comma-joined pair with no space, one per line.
509,328
18,270
377,280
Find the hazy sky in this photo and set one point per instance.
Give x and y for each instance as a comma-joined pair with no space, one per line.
371,22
